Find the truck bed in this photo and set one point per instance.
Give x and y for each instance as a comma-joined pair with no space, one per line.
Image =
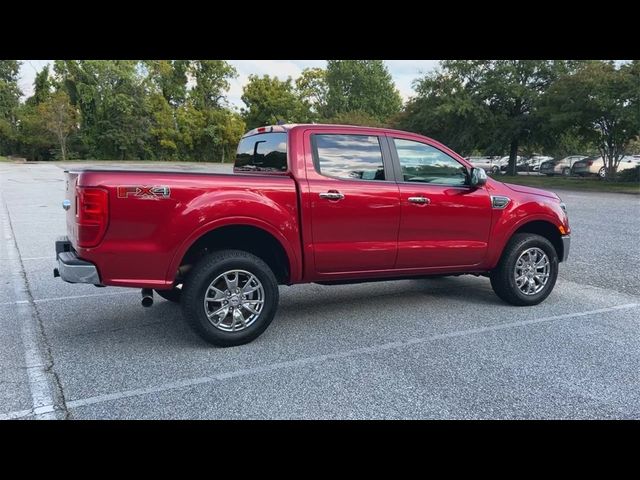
154,216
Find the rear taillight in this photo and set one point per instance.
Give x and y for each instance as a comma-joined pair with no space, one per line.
92,215
589,163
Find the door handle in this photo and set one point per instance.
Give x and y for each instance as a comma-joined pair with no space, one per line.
419,200
332,195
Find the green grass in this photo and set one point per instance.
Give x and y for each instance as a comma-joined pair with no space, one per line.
572,183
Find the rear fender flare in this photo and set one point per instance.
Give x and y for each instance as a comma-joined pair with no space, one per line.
294,261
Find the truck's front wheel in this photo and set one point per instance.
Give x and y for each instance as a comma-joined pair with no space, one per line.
527,271
230,297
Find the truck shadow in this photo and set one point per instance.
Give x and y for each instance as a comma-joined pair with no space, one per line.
314,304
322,297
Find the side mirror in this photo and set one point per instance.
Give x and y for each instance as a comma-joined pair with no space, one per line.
478,177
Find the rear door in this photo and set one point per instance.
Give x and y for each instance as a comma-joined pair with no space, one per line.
444,222
354,201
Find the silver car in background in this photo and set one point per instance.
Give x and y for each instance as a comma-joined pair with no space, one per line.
560,167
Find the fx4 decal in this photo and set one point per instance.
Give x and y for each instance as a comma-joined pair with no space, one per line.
144,191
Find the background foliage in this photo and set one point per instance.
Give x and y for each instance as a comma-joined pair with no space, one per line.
178,110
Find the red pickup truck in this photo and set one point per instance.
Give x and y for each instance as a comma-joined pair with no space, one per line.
328,204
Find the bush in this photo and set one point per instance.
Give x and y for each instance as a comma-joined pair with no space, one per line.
629,175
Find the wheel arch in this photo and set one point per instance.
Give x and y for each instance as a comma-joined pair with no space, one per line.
249,234
544,228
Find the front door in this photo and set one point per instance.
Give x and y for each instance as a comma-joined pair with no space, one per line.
354,202
444,222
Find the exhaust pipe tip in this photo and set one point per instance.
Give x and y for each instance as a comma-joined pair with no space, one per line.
147,297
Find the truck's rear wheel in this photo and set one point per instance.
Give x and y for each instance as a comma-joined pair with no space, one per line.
527,271
230,297
172,295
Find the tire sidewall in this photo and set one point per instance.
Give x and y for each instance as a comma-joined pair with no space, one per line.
510,261
197,284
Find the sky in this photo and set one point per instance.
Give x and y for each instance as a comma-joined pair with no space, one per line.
402,71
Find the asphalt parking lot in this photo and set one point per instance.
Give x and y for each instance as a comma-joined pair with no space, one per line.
443,348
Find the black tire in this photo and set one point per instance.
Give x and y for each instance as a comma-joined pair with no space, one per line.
566,172
172,295
198,281
503,279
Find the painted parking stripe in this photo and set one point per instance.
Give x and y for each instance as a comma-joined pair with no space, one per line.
42,396
72,297
15,415
323,358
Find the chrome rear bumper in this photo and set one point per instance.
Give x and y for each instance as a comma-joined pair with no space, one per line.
71,268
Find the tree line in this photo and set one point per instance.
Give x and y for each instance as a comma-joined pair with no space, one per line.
178,109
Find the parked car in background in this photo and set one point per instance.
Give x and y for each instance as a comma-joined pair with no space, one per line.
504,163
595,166
488,164
560,167
533,163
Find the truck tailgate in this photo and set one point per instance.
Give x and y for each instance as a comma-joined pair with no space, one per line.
71,196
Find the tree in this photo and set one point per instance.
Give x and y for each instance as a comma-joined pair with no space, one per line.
9,101
445,110
361,85
356,118
211,81
42,86
312,89
59,118
491,101
602,102
34,141
169,77
269,100
163,129
112,99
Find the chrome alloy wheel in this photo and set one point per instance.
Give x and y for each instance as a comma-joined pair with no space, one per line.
234,300
532,271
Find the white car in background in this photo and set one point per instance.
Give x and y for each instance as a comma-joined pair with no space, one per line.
595,165
488,164
504,163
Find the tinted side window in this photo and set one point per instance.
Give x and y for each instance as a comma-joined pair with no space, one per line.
266,152
349,156
423,163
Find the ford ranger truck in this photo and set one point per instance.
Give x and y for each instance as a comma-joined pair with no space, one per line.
328,204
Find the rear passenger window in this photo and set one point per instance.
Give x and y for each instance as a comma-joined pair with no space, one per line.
353,157
266,152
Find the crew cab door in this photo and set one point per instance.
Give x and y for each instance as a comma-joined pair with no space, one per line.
353,200
444,222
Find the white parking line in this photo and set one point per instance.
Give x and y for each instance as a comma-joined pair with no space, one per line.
323,358
42,397
72,297
16,414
